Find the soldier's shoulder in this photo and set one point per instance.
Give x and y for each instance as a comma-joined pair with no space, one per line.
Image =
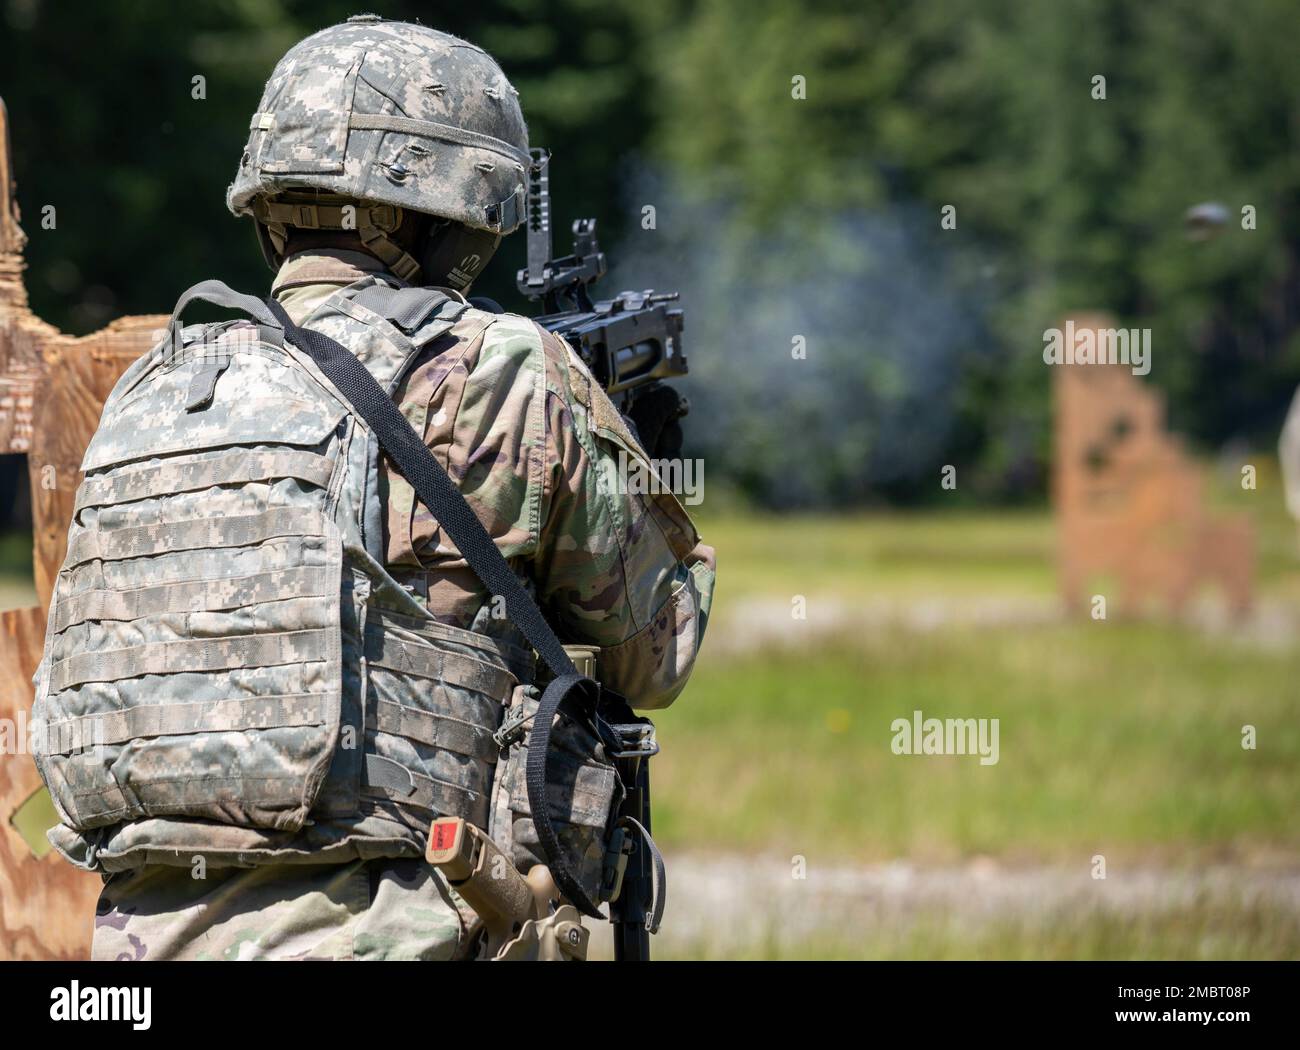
520,341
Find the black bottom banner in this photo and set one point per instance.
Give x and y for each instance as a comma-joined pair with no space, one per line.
269,1000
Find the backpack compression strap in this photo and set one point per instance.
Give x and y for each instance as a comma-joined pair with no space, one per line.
570,691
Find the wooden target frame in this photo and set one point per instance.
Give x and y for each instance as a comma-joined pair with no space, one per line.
52,390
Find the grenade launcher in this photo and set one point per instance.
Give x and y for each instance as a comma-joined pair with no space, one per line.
630,343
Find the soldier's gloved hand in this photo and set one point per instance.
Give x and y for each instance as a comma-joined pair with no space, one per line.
655,414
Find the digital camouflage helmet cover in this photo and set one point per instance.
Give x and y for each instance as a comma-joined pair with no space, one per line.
368,119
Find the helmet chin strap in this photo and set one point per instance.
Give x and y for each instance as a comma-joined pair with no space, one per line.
450,255
370,222
392,256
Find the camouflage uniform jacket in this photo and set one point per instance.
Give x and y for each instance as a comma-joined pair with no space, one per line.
533,442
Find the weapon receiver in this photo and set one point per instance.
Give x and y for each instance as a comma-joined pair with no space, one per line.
629,341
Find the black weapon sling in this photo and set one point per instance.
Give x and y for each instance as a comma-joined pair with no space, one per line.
569,691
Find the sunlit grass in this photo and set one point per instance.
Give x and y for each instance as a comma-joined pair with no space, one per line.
864,555
959,553
1112,737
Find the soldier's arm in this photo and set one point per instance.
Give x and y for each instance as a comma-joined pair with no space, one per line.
619,569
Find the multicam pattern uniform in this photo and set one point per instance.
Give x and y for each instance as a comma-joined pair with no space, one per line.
520,426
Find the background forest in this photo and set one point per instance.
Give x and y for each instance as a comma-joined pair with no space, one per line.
777,217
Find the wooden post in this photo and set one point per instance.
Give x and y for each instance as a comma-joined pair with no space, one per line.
52,390
1129,499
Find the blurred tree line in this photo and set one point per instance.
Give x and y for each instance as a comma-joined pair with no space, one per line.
844,346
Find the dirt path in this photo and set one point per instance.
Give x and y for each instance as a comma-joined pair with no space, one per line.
725,905
756,623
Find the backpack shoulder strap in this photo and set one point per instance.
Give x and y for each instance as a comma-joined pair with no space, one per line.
215,292
219,294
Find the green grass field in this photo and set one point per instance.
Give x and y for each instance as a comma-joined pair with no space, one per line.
1113,738
864,555
1114,735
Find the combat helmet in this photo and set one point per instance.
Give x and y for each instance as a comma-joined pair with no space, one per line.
369,119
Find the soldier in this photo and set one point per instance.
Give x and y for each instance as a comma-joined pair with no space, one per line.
194,634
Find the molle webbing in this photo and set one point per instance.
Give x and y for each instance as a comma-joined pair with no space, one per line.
231,468
193,654
435,730
174,719
570,692
439,665
391,780
190,596
144,541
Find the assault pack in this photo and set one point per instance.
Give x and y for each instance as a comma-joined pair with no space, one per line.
230,670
